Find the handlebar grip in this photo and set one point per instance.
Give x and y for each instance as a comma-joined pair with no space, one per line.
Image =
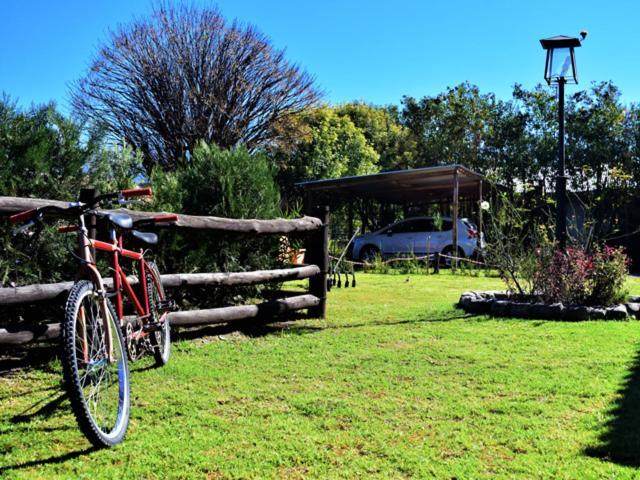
22,216
169,217
68,228
136,192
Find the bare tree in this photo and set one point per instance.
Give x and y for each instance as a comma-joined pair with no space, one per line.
184,75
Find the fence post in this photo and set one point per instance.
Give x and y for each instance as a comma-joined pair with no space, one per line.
318,253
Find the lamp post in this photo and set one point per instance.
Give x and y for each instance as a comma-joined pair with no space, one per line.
560,69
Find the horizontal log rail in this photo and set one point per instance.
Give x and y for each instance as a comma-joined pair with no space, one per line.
243,312
21,334
10,205
48,291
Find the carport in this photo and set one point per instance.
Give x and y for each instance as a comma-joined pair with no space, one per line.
451,184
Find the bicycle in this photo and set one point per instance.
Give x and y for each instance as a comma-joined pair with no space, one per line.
94,349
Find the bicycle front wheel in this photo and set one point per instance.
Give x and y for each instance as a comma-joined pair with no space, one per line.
95,366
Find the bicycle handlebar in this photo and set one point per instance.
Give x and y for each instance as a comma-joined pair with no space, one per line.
162,218
22,216
136,192
169,217
29,215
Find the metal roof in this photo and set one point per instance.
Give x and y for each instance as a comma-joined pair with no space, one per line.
559,41
418,185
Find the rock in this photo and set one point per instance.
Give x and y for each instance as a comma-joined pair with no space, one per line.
633,308
500,308
598,313
520,310
479,306
471,303
577,313
546,312
619,312
634,299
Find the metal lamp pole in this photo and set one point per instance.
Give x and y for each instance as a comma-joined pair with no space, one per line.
561,180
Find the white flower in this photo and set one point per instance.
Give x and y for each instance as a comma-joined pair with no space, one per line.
484,205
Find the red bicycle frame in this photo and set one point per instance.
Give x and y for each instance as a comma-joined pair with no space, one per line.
120,280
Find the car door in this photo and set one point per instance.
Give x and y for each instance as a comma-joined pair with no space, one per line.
441,235
445,236
398,238
423,231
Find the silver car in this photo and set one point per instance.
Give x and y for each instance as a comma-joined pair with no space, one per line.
418,236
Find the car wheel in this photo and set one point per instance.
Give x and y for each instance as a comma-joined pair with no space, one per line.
369,253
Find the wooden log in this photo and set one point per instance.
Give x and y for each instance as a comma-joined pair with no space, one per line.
49,291
25,334
242,312
240,278
21,334
10,205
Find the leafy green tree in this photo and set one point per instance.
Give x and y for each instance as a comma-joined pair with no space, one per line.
382,128
451,127
325,145
41,152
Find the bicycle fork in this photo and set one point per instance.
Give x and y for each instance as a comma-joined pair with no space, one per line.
90,270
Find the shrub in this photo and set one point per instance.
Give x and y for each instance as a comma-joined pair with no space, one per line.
576,277
562,276
228,183
609,269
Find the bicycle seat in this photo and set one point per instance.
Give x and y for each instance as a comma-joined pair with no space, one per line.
121,220
145,237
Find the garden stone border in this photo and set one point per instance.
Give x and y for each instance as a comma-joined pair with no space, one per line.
504,304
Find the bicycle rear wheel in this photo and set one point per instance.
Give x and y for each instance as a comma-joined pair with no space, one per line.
161,338
95,366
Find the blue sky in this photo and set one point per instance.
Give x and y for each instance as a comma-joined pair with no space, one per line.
376,51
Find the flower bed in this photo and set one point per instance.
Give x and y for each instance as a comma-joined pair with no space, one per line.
504,304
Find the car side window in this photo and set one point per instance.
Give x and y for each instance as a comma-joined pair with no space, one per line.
423,225
403,227
447,225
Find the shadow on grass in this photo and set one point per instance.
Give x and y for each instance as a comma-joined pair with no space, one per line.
23,358
44,408
49,460
621,441
252,329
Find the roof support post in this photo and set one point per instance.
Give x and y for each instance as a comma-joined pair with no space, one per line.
454,230
480,226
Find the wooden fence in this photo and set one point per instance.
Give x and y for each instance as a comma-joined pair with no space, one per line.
314,301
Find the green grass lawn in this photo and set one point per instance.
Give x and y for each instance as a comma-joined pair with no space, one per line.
396,383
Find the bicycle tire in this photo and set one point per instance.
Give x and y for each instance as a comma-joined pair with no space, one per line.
88,368
160,339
